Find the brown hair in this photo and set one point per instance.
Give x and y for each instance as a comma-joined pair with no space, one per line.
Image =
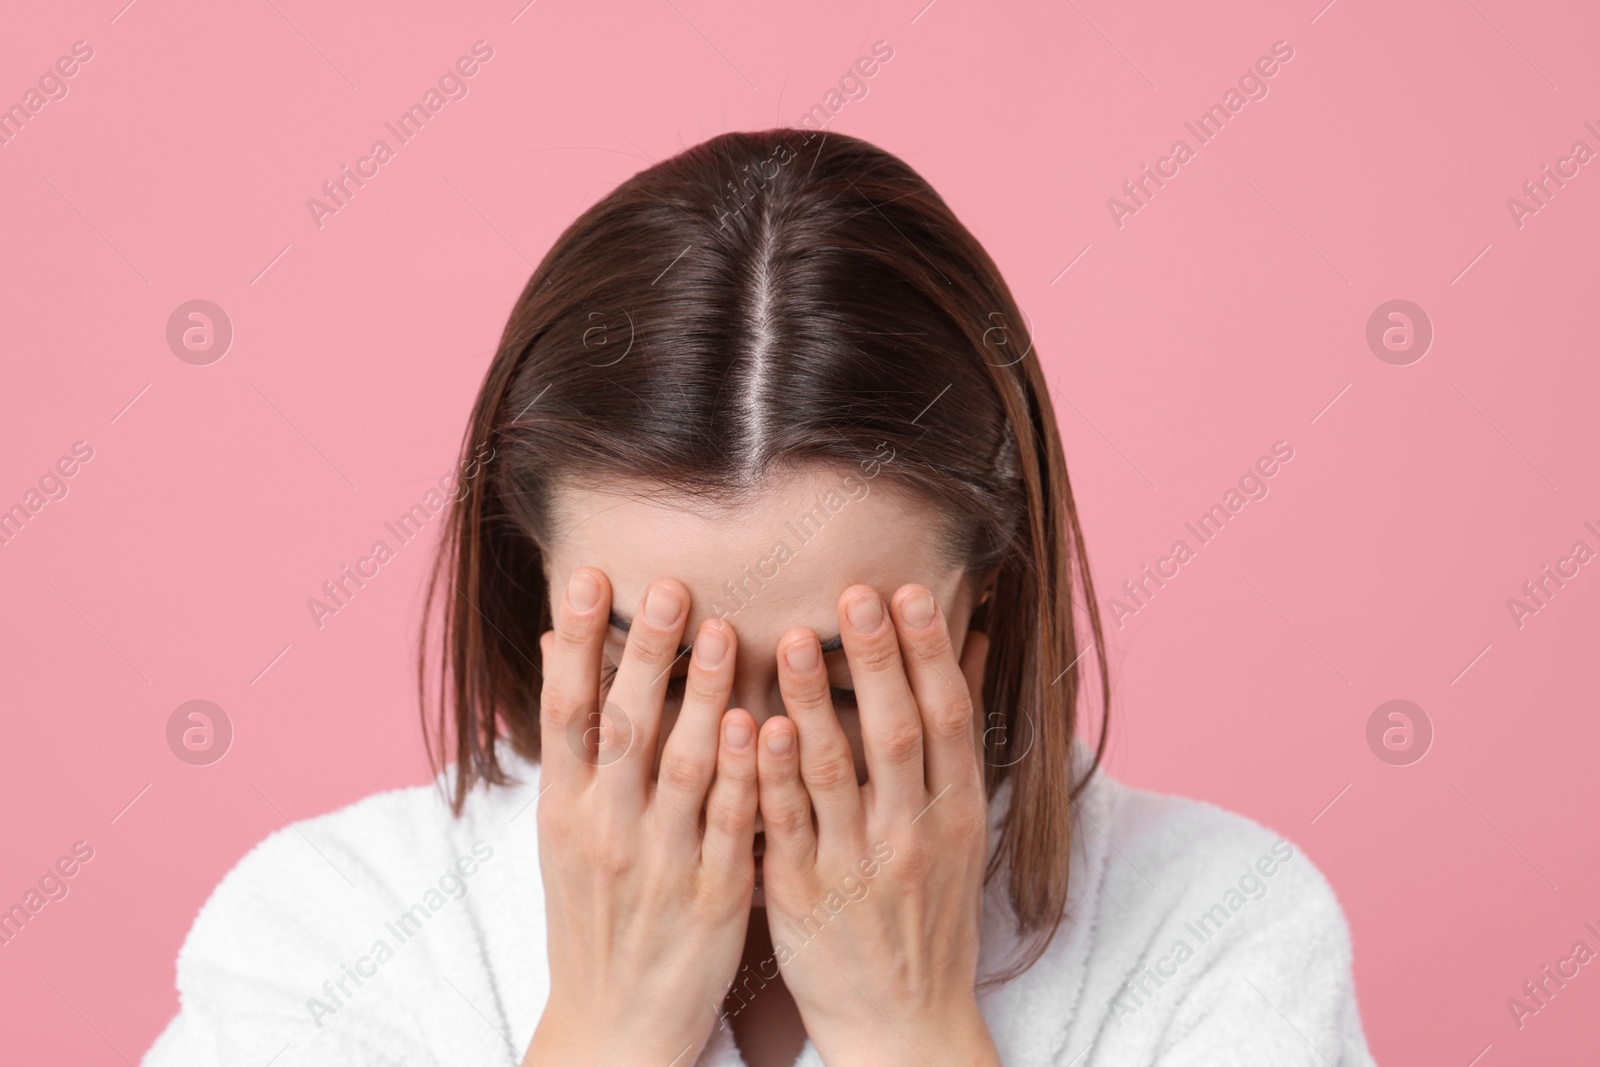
757,302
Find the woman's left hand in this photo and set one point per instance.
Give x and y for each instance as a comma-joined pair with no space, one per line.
874,913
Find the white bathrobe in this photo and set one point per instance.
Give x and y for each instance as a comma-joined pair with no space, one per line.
390,932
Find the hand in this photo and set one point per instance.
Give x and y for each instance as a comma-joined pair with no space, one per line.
645,913
874,914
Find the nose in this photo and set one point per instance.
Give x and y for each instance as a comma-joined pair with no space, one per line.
756,690
756,682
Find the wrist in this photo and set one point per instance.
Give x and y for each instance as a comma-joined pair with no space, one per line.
563,1040
958,1037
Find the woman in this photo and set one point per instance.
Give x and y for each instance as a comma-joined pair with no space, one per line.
761,673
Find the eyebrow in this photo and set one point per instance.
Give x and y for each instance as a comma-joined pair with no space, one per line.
620,622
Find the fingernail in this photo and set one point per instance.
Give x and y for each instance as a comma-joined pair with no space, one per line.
865,615
802,657
711,647
583,592
780,742
918,610
737,733
661,605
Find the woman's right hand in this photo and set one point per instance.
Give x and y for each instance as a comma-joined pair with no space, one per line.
645,911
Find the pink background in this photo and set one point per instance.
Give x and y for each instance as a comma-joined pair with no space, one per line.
1226,315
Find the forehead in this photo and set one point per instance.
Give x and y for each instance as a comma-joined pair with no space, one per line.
779,560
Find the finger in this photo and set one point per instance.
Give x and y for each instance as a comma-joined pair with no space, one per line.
826,766
785,806
567,697
943,689
689,759
731,805
633,704
891,725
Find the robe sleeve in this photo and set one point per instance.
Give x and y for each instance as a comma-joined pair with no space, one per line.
304,955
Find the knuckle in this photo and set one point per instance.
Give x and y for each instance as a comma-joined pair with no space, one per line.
685,774
559,699
913,862
703,688
575,634
654,650
737,769
787,819
831,769
937,647
728,818
553,706
902,743
608,857
953,721
571,724
811,697
880,655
